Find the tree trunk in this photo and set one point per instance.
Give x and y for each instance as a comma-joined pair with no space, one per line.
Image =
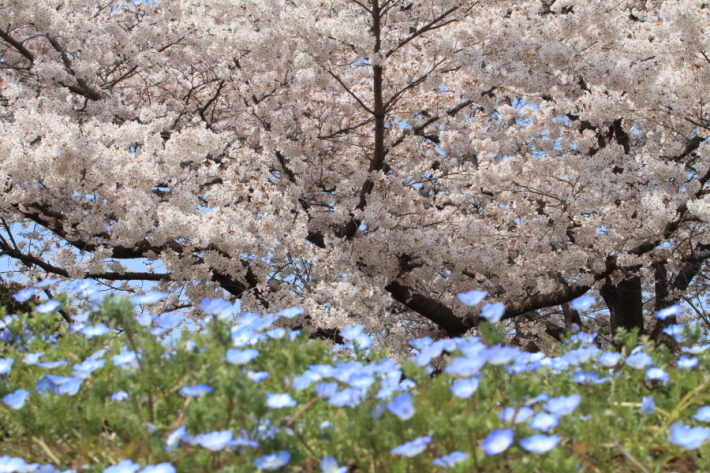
625,303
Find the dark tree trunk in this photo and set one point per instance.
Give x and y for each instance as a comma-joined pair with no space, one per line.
625,303
662,301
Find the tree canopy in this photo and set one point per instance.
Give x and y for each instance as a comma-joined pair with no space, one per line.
366,160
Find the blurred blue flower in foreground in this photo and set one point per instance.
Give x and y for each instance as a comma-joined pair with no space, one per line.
194,391
687,363
279,401
126,359
6,365
124,466
10,465
413,448
511,414
540,443
215,306
447,461
609,359
16,400
583,303
94,331
49,306
669,312
703,414
273,461
638,360
464,388
472,297
493,312
213,441
24,295
159,468
688,438
648,406
241,357
544,421
330,465
402,406
562,405
120,396
497,442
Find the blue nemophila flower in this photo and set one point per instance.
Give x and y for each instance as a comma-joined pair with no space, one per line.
402,406
50,365
169,320
119,396
291,312
472,297
421,343
676,331
648,406
695,349
465,367
149,298
349,332
83,370
330,465
273,461
588,377
241,357
669,312
703,414
500,355
32,358
279,401
609,359
655,373
638,360
124,466
497,442
539,398
257,376
215,306
24,295
583,303
49,306
6,365
540,443
348,397
16,400
361,380
126,359
464,388
64,384
98,330
159,468
326,390
511,414
83,287
448,461
174,438
216,441
688,438
544,421
687,362
580,355
194,391
413,448
276,333
10,465
493,312
562,405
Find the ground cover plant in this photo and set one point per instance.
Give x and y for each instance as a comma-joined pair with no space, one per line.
112,393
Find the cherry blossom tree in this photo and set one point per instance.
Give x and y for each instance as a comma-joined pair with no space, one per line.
366,160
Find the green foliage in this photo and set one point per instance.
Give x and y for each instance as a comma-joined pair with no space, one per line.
89,431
